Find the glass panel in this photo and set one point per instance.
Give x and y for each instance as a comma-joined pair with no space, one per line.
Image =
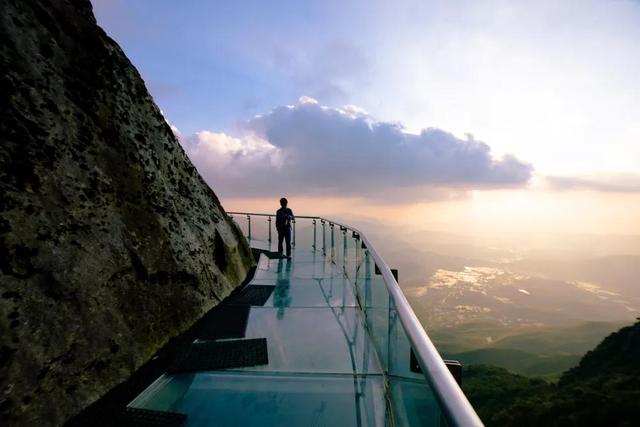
376,294
242,222
341,248
273,269
353,248
299,257
328,292
260,229
361,276
355,251
347,252
332,242
323,242
413,403
400,360
330,340
304,233
265,400
316,271
377,321
165,394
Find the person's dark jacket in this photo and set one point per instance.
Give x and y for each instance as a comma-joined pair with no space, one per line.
284,216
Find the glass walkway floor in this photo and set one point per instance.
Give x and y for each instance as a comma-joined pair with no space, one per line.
325,368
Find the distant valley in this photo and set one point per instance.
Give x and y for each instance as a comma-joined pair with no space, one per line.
532,310
540,351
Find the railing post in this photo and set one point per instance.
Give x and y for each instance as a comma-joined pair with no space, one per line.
367,280
293,238
356,256
269,220
344,247
314,234
324,237
392,322
333,248
249,225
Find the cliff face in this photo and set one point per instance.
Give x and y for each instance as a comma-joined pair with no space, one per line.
110,241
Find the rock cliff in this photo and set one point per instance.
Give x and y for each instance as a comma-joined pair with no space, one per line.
110,241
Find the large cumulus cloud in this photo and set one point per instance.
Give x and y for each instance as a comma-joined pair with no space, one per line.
313,149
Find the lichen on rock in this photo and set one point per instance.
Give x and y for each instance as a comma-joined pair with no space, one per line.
110,241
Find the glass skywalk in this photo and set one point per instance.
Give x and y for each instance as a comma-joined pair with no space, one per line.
337,352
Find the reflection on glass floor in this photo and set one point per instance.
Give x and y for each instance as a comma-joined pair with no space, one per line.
223,399
328,340
323,368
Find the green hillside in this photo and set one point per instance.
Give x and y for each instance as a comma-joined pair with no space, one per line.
541,351
603,390
517,361
541,340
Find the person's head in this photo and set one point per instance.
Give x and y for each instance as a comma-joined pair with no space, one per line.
283,202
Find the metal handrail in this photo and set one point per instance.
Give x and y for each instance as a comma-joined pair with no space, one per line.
452,400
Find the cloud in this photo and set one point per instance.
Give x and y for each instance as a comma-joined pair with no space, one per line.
608,183
307,100
309,148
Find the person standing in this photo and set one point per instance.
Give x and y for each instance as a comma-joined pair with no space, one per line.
284,218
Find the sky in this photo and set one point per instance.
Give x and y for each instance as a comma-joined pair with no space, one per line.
447,115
